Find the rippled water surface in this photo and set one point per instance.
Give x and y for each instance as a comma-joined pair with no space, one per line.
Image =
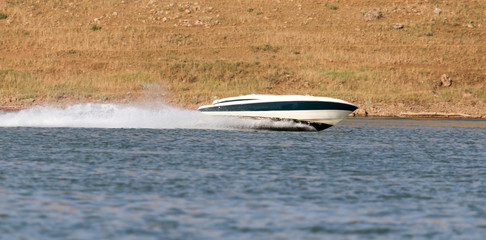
101,172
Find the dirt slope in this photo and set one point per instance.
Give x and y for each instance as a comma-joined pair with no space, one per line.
386,56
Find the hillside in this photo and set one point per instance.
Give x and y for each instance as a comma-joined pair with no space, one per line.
386,56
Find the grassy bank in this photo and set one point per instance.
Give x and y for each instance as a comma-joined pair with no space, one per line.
386,56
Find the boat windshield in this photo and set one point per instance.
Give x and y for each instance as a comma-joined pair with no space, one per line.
232,100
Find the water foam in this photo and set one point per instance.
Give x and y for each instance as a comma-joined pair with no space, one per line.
158,116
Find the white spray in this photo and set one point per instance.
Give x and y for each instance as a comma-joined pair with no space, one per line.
160,116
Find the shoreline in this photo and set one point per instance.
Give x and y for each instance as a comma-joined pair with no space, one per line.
420,115
361,112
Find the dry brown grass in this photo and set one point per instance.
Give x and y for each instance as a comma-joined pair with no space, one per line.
196,52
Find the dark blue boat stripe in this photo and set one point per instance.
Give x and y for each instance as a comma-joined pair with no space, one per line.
281,106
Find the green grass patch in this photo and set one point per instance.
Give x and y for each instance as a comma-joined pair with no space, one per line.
330,6
365,68
265,48
25,85
133,81
449,94
95,27
19,83
344,75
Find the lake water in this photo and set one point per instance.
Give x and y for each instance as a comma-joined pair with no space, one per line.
105,171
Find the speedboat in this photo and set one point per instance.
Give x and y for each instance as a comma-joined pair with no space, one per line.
318,112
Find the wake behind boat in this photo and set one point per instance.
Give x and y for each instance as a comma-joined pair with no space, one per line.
318,112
